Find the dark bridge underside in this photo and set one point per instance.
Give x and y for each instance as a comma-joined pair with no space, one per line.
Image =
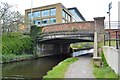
63,40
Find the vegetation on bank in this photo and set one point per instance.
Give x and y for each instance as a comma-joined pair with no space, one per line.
59,70
16,45
104,71
82,45
113,43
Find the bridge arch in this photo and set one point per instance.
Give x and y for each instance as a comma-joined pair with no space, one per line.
63,34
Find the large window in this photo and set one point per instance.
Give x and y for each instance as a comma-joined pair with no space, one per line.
52,20
37,22
29,15
69,18
53,12
45,22
63,20
45,13
73,20
36,14
64,14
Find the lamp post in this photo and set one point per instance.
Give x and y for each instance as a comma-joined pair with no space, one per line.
109,6
31,12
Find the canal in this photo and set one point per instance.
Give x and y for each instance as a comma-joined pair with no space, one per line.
36,68
30,69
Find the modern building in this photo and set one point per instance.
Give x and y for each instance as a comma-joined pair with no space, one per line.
76,15
53,14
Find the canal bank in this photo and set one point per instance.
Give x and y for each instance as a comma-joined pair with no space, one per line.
16,47
16,58
59,70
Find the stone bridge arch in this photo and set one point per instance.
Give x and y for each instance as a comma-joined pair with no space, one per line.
95,28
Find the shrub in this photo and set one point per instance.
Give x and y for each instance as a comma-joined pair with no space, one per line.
15,43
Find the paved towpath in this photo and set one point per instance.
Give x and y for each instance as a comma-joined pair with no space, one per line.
81,68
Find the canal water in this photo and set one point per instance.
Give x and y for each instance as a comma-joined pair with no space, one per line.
30,69
82,52
36,68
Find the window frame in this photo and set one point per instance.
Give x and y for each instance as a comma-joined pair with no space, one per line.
54,12
36,13
48,14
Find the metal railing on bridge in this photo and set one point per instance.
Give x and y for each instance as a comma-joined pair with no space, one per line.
113,25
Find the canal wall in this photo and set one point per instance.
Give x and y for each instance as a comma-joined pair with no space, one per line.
112,56
52,49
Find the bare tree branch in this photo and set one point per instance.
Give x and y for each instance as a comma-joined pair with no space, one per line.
9,19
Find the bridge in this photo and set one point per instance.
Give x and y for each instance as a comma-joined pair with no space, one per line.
56,38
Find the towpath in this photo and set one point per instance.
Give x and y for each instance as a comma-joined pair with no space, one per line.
81,68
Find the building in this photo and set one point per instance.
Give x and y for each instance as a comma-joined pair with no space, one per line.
76,15
53,14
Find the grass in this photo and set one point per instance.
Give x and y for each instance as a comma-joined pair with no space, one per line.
104,72
59,70
82,45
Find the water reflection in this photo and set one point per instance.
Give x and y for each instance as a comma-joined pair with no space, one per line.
36,68
81,52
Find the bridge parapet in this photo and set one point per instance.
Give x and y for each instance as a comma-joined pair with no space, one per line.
67,34
82,26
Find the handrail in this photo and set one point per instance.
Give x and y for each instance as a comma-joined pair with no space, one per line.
109,37
113,24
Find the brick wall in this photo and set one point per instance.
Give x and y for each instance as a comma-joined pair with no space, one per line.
113,32
88,25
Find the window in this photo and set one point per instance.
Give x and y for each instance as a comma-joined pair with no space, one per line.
53,20
36,14
37,22
29,15
69,18
45,22
63,20
73,20
64,14
53,12
45,13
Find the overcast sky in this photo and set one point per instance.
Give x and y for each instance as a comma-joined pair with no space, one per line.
88,8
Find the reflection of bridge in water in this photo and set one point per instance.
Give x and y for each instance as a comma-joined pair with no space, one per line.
58,37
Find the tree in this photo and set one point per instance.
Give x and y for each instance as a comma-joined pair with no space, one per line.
9,20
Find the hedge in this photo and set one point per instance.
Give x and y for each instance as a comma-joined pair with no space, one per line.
15,43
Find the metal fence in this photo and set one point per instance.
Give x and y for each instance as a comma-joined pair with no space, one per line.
113,25
113,38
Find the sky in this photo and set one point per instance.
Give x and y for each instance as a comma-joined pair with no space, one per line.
88,8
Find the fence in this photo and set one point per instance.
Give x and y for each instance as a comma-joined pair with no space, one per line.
112,38
113,25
